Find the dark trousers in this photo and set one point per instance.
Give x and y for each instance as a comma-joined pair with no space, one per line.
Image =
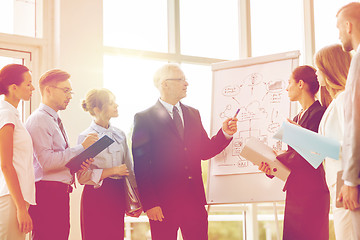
306,215
191,218
103,210
51,215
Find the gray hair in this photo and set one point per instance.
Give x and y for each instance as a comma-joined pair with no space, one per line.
164,72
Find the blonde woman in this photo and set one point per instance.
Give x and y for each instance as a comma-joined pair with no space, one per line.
17,180
103,198
332,69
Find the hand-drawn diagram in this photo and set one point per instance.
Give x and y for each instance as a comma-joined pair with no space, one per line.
261,97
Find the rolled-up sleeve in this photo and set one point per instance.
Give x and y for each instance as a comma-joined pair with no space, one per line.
90,177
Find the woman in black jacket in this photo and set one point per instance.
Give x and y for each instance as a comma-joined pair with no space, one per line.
307,195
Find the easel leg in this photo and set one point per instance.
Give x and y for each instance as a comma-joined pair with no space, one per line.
276,221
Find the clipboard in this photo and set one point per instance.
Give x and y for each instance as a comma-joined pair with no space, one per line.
75,163
256,152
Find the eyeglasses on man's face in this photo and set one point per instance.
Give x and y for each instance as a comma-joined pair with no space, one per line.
66,90
176,79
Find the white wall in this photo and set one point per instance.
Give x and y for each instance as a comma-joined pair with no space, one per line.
78,50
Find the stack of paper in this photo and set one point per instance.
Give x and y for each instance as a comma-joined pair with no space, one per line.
257,152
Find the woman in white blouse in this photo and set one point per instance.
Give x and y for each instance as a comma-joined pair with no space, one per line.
333,66
103,198
17,180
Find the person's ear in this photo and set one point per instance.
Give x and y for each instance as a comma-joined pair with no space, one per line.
47,90
348,27
96,110
12,87
301,84
164,84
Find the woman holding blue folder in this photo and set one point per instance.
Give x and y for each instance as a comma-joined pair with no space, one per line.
307,195
333,65
103,197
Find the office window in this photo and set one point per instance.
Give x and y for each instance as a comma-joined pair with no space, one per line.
326,32
199,90
136,24
20,17
131,80
209,28
274,29
9,60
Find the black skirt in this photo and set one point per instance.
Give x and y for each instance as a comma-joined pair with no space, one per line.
102,211
306,215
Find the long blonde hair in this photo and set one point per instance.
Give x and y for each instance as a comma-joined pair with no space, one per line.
334,63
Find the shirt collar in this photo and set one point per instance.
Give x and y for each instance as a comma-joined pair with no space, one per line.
110,132
358,48
9,106
169,107
49,110
100,129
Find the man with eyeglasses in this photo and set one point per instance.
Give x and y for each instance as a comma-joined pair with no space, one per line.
51,215
168,145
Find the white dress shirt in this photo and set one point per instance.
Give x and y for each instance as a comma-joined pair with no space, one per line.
22,153
116,154
332,126
50,152
169,107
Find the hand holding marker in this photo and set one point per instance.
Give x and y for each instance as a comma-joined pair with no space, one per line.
234,119
230,124
237,112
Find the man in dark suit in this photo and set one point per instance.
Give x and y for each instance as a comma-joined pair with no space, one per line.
168,144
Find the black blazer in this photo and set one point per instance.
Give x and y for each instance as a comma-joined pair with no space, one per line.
167,167
303,176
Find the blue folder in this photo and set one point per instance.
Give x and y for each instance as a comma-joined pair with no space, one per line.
310,145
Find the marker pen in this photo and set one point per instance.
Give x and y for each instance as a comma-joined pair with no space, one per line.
237,112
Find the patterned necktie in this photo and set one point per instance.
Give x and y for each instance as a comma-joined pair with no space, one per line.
63,132
61,126
178,122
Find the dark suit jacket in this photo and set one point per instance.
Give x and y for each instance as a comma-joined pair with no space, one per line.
303,176
167,167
